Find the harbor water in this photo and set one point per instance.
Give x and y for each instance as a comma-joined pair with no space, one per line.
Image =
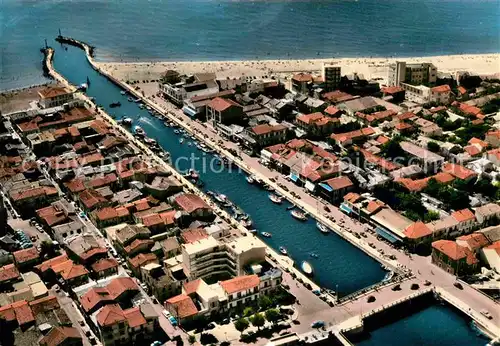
176,30
338,263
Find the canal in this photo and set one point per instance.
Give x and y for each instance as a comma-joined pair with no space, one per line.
338,263
437,325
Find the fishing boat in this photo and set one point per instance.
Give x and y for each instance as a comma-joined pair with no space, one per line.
322,227
127,121
150,141
123,92
198,146
181,140
115,104
190,144
83,86
139,131
192,174
176,132
148,108
129,99
306,268
250,179
141,106
137,100
205,150
266,234
299,215
166,124
283,251
275,199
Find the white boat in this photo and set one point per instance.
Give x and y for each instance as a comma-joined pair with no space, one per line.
148,108
181,140
298,215
198,147
250,179
127,121
166,124
139,131
190,144
141,106
83,86
266,234
275,199
123,92
150,141
306,268
247,223
129,99
322,227
176,132
283,251
220,198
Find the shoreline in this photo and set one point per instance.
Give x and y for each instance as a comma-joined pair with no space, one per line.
371,67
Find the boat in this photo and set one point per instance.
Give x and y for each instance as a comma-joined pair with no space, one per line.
150,141
141,106
181,140
283,251
322,227
123,92
247,223
137,100
176,132
266,234
290,207
198,147
148,108
275,199
219,197
313,255
130,99
306,267
250,179
139,131
115,104
127,121
83,86
190,144
299,215
166,124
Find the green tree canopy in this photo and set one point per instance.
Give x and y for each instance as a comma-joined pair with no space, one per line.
433,146
248,311
258,320
273,315
241,325
265,302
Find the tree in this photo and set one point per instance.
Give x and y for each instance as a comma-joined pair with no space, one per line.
433,146
458,199
47,248
273,315
241,324
258,320
248,311
192,339
265,302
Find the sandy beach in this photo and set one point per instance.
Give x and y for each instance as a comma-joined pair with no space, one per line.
482,64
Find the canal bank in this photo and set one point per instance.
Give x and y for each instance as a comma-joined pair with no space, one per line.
337,265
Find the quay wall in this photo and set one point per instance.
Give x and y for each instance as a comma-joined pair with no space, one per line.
284,262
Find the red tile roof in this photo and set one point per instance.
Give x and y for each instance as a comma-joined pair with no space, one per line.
19,311
458,171
417,230
69,270
134,317
478,141
58,336
9,272
142,259
190,202
352,197
475,241
193,235
441,89
353,135
392,89
240,283
26,255
51,215
332,111
53,91
109,315
182,305
138,243
220,104
44,266
109,213
337,96
76,185
463,215
302,77
44,304
472,150
443,177
118,286
339,182
94,296
454,251
191,286
91,198
266,128
33,193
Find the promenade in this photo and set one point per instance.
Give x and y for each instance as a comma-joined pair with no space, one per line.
470,299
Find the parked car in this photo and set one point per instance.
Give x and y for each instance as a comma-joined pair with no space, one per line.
458,285
166,313
486,314
318,324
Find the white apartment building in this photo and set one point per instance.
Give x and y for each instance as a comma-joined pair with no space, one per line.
423,73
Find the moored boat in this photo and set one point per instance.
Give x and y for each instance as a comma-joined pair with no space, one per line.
247,223
129,99
275,199
306,267
250,179
322,227
139,131
290,207
115,104
266,234
127,121
283,250
181,140
176,132
299,215
123,92
219,197
166,124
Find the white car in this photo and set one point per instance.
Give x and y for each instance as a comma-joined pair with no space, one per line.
166,313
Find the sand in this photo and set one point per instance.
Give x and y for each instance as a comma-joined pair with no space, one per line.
370,68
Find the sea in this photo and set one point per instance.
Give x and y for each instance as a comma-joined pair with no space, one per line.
175,30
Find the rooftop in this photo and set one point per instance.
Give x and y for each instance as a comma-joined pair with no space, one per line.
240,283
